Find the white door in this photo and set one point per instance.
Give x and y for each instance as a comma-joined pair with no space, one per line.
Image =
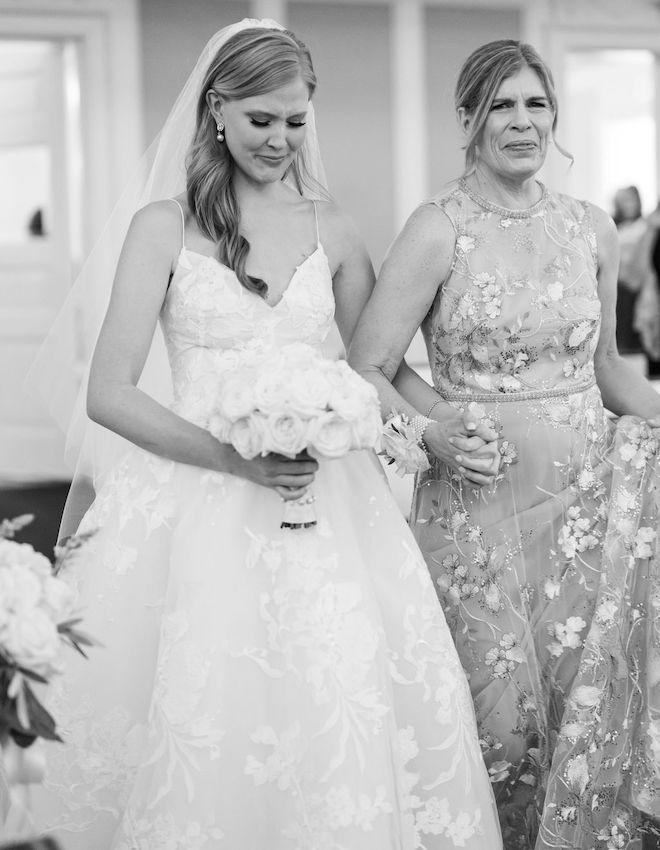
37,95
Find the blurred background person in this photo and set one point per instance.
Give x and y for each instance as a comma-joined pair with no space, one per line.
631,229
646,317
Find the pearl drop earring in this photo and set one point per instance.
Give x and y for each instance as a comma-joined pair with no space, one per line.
221,135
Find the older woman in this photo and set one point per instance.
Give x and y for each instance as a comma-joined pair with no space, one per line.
547,565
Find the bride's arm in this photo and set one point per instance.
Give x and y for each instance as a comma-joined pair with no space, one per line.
623,388
145,267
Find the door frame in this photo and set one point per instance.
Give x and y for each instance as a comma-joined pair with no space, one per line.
107,34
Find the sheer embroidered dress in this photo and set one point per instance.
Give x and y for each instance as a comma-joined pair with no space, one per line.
548,579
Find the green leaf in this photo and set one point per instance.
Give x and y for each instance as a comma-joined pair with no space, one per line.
42,723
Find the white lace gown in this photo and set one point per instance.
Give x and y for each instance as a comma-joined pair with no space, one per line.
258,688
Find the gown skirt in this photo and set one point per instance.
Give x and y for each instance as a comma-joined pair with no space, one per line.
260,687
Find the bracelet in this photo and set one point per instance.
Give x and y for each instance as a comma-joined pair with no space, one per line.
429,411
419,424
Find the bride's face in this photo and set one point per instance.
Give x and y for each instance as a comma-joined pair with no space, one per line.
264,132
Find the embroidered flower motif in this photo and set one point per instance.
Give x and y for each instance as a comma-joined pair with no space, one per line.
586,697
577,773
505,659
567,635
642,547
456,580
465,244
573,730
579,333
586,478
551,588
556,291
499,771
578,533
508,452
509,384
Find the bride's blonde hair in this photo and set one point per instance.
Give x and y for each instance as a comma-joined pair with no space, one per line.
254,61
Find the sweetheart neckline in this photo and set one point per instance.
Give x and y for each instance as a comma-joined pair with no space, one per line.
319,249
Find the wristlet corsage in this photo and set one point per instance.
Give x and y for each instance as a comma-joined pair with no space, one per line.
403,445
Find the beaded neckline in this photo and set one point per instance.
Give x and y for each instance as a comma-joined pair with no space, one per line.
504,211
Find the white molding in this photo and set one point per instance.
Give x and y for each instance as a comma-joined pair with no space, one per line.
408,107
59,7
108,37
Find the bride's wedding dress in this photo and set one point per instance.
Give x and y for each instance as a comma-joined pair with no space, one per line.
257,687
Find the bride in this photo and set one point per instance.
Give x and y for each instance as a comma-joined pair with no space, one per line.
257,687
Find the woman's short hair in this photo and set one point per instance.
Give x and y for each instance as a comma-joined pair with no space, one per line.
481,76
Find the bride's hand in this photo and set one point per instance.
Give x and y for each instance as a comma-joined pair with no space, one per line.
290,477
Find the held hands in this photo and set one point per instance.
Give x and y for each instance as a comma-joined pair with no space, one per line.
466,445
289,477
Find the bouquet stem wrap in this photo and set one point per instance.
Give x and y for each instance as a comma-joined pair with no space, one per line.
299,513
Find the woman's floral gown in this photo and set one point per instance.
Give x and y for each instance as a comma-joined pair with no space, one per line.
258,688
549,579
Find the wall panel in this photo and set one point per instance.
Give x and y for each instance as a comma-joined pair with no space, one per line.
452,34
350,48
173,35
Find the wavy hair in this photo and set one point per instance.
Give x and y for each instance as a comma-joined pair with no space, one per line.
252,62
480,78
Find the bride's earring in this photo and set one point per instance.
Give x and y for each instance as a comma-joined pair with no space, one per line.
221,131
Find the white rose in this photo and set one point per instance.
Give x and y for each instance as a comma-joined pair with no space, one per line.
236,400
286,434
20,588
330,435
58,598
299,353
247,436
309,392
271,392
14,554
32,641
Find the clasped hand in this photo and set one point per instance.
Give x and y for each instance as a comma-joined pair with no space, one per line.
466,445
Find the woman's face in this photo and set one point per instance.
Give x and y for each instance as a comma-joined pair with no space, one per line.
264,132
514,139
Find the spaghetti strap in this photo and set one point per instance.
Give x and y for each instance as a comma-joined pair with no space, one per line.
183,223
316,219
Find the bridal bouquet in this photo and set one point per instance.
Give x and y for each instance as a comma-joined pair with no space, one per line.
36,624
290,400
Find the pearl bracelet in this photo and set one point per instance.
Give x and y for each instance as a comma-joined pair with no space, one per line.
419,424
